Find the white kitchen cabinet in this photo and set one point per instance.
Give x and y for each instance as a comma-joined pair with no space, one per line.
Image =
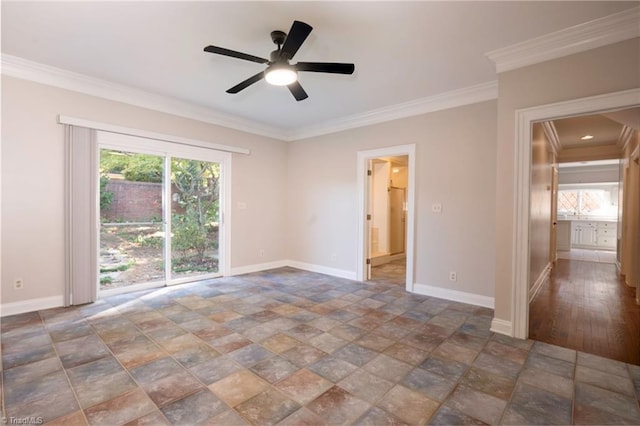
563,236
593,234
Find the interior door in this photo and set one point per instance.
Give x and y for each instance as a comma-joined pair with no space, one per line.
397,198
553,250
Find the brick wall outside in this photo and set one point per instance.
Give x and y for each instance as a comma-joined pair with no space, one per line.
133,201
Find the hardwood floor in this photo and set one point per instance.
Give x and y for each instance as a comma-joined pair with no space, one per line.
585,306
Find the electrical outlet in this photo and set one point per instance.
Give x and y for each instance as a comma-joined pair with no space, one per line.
262,253
334,257
436,208
18,284
453,276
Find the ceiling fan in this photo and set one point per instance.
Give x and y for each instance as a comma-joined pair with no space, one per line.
279,71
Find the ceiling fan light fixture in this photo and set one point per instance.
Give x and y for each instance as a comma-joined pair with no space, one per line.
281,75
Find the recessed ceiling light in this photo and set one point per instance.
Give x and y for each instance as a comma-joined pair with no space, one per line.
586,137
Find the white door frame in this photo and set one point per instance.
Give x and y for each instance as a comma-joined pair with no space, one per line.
363,238
520,242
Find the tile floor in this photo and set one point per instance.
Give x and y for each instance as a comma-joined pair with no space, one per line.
600,256
291,347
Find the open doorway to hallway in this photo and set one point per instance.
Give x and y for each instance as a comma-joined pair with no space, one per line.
584,220
386,195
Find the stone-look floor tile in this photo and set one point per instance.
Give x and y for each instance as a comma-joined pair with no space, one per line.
213,370
139,352
374,342
304,332
376,417
171,388
512,341
553,351
303,355
355,354
228,417
155,418
195,355
434,386
408,405
506,352
487,382
120,410
69,330
587,415
327,342
180,343
99,381
332,369
155,370
28,356
324,323
609,366
475,404
194,409
274,369
238,387
551,365
76,418
48,396
250,355
605,380
348,332
279,343
267,408
365,385
338,406
304,417
444,367
455,352
467,340
408,354
544,380
30,372
541,405
604,400
230,343
303,386
81,350
446,416
388,368
499,366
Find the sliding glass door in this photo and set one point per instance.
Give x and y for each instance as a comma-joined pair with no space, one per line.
160,214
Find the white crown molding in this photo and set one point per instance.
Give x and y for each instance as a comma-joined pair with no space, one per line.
455,98
600,32
17,67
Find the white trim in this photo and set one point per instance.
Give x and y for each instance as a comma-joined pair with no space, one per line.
552,134
129,131
363,159
131,289
535,288
522,161
14,66
340,273
501,327
31,305
455,98
248,269
625,136
454,295
599,32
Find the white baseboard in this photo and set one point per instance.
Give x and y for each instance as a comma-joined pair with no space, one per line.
454,295
537,285
340,273
258,267
502,327
31,305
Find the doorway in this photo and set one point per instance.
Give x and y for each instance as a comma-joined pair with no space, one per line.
386,186
160,214
522,274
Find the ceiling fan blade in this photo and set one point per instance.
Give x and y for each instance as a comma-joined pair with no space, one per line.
234,54
297,35
248,82
330,67
297,91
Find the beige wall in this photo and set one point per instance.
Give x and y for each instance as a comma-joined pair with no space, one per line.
33,176
455,163
540,204
630,237
604,70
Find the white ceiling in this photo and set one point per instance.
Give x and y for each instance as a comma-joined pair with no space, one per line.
403,51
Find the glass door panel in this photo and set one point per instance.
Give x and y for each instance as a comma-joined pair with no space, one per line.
132,234
195,218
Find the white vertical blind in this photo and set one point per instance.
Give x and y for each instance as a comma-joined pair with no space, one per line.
81,216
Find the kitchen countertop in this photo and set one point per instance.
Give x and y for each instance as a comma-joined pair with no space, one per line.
582,219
